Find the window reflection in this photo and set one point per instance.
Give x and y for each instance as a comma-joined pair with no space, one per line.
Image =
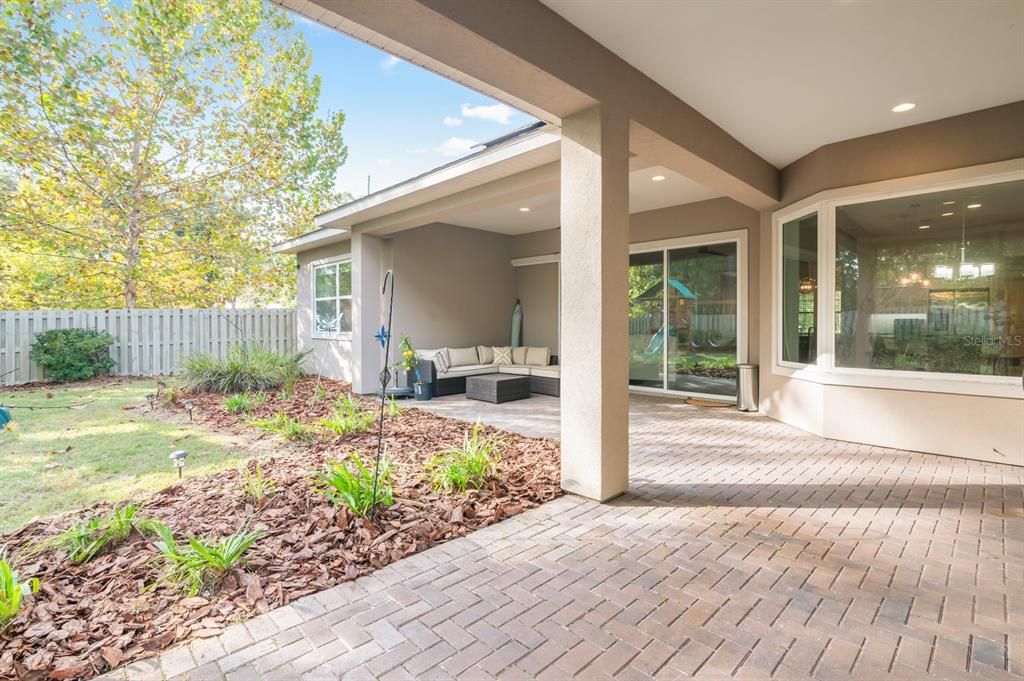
933,282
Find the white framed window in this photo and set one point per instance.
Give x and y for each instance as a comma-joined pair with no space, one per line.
332,299
914,284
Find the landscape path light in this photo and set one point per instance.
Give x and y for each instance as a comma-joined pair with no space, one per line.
190,405
151,398
178,458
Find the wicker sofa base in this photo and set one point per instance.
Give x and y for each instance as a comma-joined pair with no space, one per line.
456,385
543,385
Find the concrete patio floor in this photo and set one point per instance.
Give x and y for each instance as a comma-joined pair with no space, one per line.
744,549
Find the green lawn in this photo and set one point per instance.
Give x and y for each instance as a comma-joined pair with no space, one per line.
57,460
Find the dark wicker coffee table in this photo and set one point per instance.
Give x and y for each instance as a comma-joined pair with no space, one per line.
497,388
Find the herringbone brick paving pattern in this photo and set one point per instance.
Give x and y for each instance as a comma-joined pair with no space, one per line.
745,549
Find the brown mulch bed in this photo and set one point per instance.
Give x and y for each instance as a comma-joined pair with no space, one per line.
89,618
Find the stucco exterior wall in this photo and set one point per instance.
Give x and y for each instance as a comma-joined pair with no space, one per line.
967,426
334,355
455,286
537,290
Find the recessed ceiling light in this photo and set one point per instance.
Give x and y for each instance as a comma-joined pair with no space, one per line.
974,205
924,226
946,215
905,106
948,203
657,178
524,209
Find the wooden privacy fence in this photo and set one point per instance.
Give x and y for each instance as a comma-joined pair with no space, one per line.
148,342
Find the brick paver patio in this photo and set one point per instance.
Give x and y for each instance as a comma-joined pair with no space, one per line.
745,549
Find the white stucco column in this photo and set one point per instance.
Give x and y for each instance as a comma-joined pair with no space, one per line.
368,270
594,289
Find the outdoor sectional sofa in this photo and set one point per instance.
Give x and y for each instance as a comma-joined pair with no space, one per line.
446,369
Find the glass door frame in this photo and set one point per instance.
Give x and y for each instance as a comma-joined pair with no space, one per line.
736,236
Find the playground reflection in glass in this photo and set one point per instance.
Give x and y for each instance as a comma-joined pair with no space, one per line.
702,319
682,330
646,318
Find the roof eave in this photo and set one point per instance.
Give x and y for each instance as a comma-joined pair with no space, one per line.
319,237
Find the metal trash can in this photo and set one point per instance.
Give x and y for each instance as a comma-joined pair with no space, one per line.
746,387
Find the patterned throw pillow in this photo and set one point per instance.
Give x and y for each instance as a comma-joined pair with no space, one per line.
502,355
441,360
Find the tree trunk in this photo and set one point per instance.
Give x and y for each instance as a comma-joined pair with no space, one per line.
133,232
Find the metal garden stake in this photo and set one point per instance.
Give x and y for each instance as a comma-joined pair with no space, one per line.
384,338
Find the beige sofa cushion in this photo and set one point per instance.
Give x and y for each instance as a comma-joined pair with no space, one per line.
502,355
513,369
546,372
485,353
538,357
519,355
461,357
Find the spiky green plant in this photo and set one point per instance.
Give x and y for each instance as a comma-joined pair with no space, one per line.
349,417
200,564
350,482
239,403
457,468
255,486
394,410
284,426
244,369
12,592
88,538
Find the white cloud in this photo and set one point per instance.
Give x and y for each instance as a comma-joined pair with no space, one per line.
455,146
390,62
452,121
497,113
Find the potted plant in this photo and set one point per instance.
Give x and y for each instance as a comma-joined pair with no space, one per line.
421,389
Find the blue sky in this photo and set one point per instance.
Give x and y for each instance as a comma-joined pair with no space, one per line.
400,120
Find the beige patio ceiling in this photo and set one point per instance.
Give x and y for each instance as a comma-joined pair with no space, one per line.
644,194
787,76
517,52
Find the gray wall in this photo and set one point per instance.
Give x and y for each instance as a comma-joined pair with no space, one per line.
454,286
334,355
537,287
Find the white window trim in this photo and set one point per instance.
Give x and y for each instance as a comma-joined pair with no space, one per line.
314,266
824,203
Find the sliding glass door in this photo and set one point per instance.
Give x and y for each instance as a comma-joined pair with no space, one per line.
683,328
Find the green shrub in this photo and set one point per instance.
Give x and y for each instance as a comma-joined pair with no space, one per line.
349,417
394,409
73,354
200,564
284,426
457,468
239,403
245,369
12,592
87,539
351,483
255,486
